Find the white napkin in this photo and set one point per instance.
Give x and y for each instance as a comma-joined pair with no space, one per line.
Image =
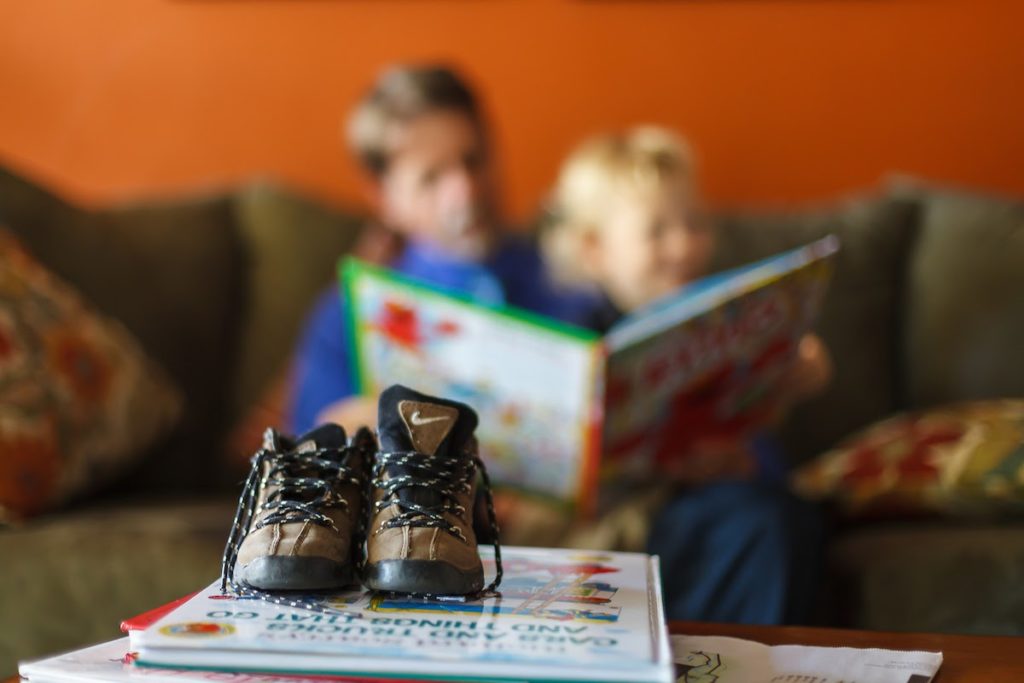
718,659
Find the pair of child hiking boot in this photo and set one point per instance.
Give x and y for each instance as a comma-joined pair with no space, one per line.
322,511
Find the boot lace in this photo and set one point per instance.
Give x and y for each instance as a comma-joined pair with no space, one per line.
305,485
447,476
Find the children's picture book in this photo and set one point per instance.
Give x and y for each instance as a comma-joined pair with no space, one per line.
564,412
562,615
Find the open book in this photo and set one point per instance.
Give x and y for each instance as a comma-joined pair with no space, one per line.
563,410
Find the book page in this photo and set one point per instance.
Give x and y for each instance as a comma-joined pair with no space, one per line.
532,382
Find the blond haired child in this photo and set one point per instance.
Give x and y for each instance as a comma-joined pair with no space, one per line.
627,217
734,544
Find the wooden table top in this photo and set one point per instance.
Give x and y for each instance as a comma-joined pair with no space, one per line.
966,659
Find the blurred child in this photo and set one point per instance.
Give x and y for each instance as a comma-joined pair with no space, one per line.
734,545
421,138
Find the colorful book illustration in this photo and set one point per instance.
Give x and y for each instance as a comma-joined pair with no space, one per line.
562,615
565,411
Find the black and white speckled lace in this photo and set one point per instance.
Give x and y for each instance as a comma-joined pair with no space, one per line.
446,476
302,485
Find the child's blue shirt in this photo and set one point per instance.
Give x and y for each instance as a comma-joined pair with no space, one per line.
514,274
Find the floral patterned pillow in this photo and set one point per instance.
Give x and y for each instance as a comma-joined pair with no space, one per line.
966,457
79,400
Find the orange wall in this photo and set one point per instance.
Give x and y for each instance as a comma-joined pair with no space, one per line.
784,100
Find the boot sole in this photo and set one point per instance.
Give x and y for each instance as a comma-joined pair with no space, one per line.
289,573
422,577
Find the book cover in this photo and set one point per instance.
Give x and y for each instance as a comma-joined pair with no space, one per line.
150,617
112,662
707,363
562,615
566,414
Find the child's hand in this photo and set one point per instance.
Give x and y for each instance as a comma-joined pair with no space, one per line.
504,508
810,374
812,371
524,521
714,459
377,244
351,413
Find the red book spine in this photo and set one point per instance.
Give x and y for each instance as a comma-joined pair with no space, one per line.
146,619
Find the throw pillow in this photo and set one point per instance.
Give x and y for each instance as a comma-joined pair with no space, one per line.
961,457
79,400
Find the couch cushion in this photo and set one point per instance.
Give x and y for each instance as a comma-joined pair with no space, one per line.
172,273
860,317
938,578
964,322
79,400
292,245
69,580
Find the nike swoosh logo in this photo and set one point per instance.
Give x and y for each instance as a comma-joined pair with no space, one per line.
420,421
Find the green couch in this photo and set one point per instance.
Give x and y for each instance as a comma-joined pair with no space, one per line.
926,308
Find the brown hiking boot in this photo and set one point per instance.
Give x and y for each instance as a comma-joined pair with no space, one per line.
301,518
420,537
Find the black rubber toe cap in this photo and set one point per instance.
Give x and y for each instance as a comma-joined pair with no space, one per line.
274,573
431,577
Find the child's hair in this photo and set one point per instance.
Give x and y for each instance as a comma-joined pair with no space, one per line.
401,94
639,158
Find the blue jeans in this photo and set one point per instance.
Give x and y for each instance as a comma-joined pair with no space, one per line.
744,552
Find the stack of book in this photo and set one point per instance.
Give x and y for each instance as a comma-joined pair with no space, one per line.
562,615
